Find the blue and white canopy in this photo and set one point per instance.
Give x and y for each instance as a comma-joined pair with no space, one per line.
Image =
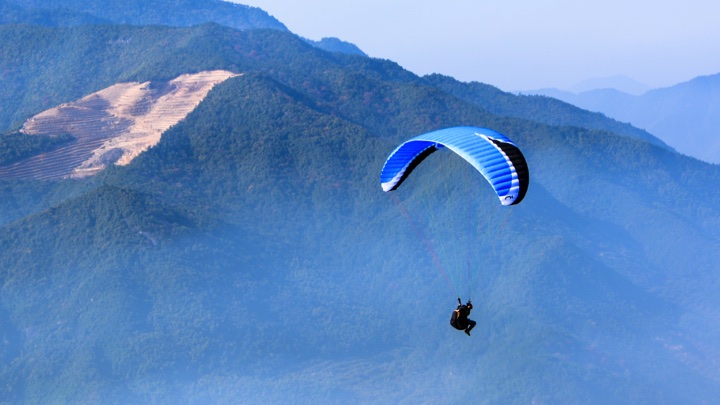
494,155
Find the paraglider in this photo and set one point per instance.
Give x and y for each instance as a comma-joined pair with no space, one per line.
494,155
491,153
459,318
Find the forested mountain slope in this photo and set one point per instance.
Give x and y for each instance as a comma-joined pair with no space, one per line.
540,109
12,13
163,12
253,247
40,62
175,13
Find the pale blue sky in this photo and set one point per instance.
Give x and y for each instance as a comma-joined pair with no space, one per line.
521,44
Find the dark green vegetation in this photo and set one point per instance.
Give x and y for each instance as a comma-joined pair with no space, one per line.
12,13
16,146
177,13
150,12
252,257
540,109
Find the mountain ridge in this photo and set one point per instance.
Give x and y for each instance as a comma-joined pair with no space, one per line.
682,115
178,13
166,12
621,83
536,109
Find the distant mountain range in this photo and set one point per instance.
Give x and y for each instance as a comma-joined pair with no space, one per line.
685,116
618,82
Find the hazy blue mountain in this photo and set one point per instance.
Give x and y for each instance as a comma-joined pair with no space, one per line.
609,96
251,255
618,82
684,115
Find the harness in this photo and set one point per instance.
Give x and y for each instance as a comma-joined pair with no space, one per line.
455,320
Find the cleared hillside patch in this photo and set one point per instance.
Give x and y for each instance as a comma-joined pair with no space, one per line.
111,126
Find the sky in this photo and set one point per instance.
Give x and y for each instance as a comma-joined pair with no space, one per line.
521,44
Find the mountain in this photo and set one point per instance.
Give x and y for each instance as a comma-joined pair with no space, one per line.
179,13
540,109
682,115
337,45
11,13
164,12
251,256
620,83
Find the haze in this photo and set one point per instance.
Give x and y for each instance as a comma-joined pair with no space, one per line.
522,44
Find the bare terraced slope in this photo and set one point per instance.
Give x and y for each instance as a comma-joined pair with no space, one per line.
113,125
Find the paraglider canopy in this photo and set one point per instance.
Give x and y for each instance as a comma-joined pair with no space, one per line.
495,156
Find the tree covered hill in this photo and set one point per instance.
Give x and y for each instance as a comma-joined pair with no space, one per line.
184,13
39,63
161,12
12,13
252,247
